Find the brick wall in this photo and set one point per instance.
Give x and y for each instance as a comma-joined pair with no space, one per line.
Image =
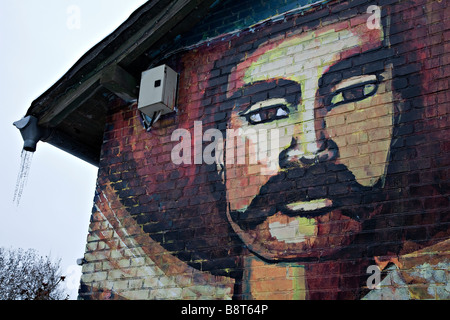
355,176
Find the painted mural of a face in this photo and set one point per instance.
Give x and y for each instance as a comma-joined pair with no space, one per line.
306,198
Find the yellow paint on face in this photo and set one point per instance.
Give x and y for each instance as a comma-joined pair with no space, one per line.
304,60
307,226
363,132
292,230
361,129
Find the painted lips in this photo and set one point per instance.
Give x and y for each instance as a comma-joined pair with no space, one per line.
312,205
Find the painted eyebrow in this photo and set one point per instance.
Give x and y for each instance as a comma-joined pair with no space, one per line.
264,104
267,89
366,63
350,82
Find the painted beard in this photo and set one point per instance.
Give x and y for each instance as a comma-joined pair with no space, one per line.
305,192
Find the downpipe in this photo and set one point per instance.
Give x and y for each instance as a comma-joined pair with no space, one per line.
31,132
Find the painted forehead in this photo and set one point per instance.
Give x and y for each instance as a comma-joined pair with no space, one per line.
307,55
302,57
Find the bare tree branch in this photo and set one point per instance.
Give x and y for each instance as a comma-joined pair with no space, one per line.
25,275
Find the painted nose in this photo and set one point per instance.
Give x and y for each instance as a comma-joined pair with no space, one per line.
310,143
305,154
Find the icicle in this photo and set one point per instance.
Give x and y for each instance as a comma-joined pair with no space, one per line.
22,177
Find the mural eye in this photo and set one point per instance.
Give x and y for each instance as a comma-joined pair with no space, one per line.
255,117
355,89
370,88
266,111
282,112
267,114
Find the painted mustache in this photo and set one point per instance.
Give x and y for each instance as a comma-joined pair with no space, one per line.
330,181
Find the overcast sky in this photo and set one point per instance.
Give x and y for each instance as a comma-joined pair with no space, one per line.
40,41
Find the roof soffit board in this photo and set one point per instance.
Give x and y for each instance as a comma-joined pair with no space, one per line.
86,75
